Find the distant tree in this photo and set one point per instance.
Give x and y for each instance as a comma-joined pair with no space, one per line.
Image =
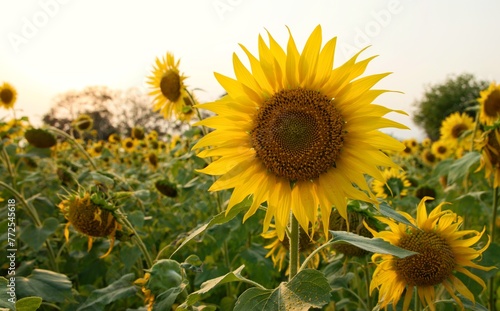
113,111
457,93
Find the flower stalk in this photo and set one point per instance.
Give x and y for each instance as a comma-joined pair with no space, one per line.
294,246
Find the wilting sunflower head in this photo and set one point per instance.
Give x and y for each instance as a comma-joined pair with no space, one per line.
8,95
40,138
395,184
83,123
168,89
490,104
454,128
490,155
443,250
297,133
89,217
166,187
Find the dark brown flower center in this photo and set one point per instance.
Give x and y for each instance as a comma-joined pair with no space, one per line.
434,263
430,157
458,129
6,96
298,134
89,218
170,85
492,104
442,149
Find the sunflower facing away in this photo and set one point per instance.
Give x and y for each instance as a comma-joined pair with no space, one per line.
443,249
490,104
168,89
297,134
490,155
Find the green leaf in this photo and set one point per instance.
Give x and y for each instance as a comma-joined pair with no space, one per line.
219,219
461,167
209,285
102,179
121,288
164,274
374,245
165,300
51,286
35,237
28,304
308,289
388,211
4,294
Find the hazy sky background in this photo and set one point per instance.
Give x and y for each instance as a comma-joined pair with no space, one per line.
48,47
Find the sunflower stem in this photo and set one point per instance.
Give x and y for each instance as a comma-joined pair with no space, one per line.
122,219
491,281
74,142
294,246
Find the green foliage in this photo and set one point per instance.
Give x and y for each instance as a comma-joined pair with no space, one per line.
308,289
456,93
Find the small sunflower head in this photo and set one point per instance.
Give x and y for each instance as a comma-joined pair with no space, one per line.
128,144
8,96
153,159
40,138
442,149
166,188
137,132
83,123
490,104
114,138
428,157
396,184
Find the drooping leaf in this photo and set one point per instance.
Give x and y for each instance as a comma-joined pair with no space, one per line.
374,245
308,289
218,219
388,211
50,285
119,289
209,285
461,167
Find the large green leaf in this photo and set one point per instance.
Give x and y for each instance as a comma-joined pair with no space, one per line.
35,237
219,219
50,285
308,289
388,211
121,288
374,245
209,285
28,304
461,167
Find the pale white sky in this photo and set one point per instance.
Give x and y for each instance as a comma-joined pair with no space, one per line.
50,46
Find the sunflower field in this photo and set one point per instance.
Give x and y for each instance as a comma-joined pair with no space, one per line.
284,194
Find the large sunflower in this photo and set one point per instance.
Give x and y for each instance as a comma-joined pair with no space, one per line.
490,104
443,249
168,89
8,95
455,126
296,133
